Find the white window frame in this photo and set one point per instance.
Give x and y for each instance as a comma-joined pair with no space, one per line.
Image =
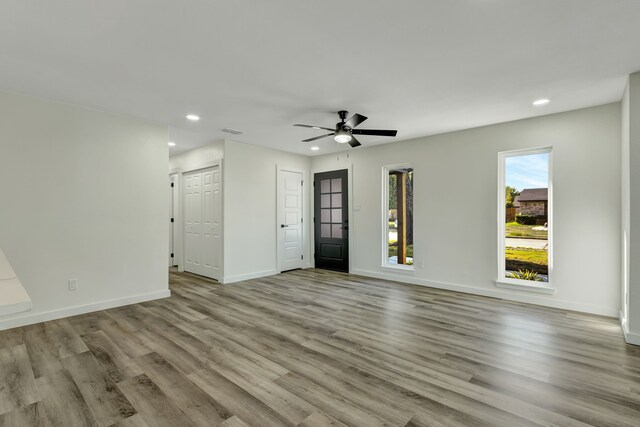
519,284
385,223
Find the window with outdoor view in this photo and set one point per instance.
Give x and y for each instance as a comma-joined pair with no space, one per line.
399,216
526,218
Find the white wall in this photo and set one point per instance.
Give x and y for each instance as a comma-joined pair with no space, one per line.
631,201
625,211
82,196
455,206
250,222
196,157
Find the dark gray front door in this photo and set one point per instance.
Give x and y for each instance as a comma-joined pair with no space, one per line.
331,220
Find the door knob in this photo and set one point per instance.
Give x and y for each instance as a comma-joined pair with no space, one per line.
283,225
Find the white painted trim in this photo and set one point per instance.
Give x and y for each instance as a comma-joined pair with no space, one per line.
175,205
304,227
13,296
15,308
178,242
494,293
522,285
385,209
399,268
629,337
30,319
248,276
502,156
632,338
623,322
201,165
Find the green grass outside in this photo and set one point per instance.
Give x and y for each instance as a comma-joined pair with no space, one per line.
513,229
533,256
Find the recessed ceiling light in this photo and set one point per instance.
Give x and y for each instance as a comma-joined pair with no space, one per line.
193,117
315,148
172,144
542,101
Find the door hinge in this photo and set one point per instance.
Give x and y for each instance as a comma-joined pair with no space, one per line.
314,219
302,182
314,183
172,220
172,255
301,256
172,184
301,220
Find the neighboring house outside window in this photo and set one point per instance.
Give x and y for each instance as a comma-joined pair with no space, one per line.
534,202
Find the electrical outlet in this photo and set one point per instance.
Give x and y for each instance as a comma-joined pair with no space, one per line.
73,284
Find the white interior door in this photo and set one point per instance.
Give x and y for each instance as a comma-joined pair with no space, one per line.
211,223
290,221
192,222
203,222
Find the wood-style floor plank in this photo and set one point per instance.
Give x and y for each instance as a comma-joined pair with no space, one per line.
153,405
105,401
17,383
317,348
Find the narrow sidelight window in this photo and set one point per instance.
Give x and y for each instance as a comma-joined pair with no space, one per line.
524,216
398,216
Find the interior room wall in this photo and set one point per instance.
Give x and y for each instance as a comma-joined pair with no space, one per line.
625,211
250,223
631,203
455,206
82,196
197,156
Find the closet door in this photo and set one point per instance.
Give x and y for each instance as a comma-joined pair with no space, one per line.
203,222
193,222
211,223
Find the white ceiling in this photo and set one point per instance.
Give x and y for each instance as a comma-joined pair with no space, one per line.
419,66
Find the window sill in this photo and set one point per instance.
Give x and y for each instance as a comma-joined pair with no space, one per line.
399,268
523,285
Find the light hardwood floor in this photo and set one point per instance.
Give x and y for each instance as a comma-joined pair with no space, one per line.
316,348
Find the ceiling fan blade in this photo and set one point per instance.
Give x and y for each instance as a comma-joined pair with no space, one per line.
314,127
354,142
317,137
355,120
375,132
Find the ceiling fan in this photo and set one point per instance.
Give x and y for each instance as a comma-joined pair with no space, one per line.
345,130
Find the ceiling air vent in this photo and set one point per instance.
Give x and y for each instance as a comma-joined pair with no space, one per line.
232,131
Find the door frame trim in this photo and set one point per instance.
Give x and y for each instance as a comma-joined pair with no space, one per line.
179,211
350,205
175,204
305,215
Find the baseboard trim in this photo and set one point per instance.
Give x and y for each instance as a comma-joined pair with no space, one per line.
248,276
493,293
32,318
629,337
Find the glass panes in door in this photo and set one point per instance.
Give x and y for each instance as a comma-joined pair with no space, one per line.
331,208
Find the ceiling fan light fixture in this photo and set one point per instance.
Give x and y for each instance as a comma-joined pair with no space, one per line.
342,137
